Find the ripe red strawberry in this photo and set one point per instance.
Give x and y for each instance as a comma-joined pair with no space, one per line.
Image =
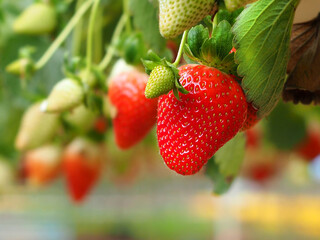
190,131
101,125
261,172
42,165
252,118
253,138
82,163
134,113
309,148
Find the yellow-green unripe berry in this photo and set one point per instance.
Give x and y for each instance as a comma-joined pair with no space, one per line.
161,81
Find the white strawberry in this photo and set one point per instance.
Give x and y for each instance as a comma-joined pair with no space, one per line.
179,15
36,128
66,94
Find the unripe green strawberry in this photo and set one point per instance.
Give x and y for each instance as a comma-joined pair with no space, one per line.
20,66
232,5
39,18
82,118
160,82
66,94
179,15
36,128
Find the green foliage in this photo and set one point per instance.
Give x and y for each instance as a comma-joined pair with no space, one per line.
226,164
211,51
262,37
145,19
285,127
131,48
231,155
221,183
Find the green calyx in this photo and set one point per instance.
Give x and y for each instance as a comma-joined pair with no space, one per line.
164,77
213,49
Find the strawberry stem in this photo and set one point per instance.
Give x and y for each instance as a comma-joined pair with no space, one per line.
77,32
63,35
127,13
183,41
93,15
110,51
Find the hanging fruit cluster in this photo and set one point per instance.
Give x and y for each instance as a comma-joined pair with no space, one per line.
229,72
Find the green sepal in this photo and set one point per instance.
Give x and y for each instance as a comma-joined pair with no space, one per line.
153,60
196,37
176,93
222,39
223,14
212,51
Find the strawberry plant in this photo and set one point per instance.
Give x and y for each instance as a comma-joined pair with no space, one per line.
96,77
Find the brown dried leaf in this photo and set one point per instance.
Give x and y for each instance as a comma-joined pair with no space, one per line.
303,84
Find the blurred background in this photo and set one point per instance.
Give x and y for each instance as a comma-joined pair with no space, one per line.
276,196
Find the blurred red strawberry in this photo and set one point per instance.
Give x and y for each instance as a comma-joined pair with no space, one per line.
42,165
82,164
261,172
134,114
309,148
253,138
101,125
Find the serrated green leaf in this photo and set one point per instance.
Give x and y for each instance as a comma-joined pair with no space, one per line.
262,37
231,155
285,128
221,183
196,37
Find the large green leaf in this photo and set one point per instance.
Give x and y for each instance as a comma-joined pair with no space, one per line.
231,155
262,37
226,164
221,183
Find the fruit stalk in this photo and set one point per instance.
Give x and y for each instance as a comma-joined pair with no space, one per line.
63,35
93,15
180,51
110,51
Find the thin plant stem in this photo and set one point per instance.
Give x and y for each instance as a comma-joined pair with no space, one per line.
63,35
183,41
110,51
93,15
